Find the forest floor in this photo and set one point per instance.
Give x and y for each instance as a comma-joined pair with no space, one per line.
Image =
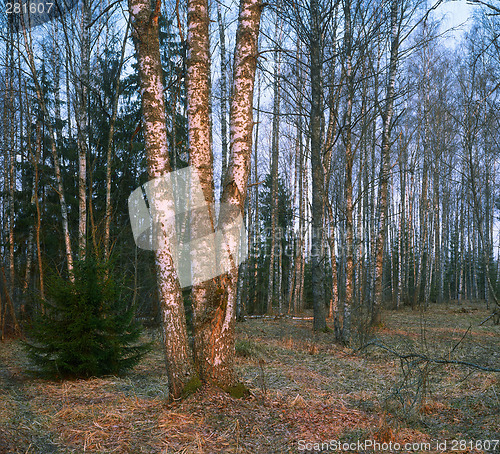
305,390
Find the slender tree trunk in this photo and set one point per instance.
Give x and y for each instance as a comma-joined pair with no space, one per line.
271,293
10,147
223,95
334,307
68,95
109,149
437,235
384,171
12,168
83,127
5,155
303,215
235,183
255,223
29,262
317,171
298,298
55,156
56,62
333,103
38,154
402,233
299,170
145,33
349,161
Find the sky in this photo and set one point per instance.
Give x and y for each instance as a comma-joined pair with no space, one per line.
455,14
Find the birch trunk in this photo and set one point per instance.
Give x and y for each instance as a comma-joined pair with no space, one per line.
145,33
204,295
273,276
221,341
349,161
55,156
215,300
384,171
83,128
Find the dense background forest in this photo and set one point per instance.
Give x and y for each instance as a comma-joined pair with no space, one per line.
359,143
373,182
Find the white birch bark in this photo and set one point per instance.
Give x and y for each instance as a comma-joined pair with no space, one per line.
235,184
145,33
83,127
215,301
384,172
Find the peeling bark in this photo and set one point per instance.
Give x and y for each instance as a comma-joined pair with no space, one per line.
145,33
205,296
220,346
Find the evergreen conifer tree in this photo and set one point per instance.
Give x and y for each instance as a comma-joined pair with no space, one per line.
86,329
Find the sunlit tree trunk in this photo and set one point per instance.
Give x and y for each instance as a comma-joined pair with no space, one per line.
145,33
201,159
235,183
215,300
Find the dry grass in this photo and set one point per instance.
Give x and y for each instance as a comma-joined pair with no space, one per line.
304,387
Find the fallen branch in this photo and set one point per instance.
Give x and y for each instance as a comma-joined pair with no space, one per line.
487,318
425,358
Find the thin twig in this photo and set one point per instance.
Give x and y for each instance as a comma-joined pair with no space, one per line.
427,359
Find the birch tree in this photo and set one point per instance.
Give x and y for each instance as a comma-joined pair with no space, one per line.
55,155
83,125
215,300
201,160
216,309
144,20
275,150
386,148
